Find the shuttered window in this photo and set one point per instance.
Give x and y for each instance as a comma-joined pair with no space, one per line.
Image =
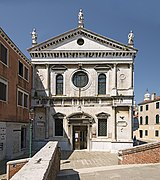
102,127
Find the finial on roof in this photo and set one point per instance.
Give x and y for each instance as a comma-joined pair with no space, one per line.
131,39
80,19
34,37
147,96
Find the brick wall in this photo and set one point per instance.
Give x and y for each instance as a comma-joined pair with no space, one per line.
14,166
143,154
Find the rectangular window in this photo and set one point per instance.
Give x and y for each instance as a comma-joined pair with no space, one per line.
58,127
3,91
25,100
3,54
102,127
147,107
20,69
146,132
22,98
141,120
146,120
156,133
25,73
157,105
141,133
141,108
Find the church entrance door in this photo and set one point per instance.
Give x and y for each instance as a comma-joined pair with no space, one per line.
79,137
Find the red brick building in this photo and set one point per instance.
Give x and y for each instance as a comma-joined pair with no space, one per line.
15,88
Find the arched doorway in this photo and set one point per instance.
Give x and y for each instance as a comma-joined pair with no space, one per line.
79,127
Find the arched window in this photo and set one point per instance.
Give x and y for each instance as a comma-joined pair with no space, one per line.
102,84
157,119
141,120
146,120
59,84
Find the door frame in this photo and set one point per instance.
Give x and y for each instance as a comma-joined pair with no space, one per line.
78,129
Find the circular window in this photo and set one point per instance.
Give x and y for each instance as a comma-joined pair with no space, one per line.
80,41
80,79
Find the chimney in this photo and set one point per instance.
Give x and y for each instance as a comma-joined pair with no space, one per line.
153,96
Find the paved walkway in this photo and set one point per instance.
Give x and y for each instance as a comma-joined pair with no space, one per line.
87,159
84,165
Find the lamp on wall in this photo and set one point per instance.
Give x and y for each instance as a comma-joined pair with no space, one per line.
31,118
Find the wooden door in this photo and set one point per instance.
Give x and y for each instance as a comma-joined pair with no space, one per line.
80,137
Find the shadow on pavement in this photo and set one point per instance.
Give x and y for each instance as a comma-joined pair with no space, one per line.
65,154
68,174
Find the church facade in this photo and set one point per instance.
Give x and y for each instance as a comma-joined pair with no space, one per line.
83,90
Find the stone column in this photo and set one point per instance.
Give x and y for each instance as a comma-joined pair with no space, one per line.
33,80
115,76
132,73
47,90
130,123
114,123
114,90
47,123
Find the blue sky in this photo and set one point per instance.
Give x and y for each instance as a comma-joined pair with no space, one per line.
111,18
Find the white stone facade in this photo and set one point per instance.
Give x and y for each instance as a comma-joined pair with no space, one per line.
85,81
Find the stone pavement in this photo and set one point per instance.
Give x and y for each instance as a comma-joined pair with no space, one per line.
86,159
84,165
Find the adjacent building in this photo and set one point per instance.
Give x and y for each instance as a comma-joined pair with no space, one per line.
83,90
149,118
15,87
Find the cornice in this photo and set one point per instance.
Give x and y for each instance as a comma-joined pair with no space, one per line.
13,46
50,54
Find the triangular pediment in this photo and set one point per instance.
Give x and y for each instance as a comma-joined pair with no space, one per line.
80,39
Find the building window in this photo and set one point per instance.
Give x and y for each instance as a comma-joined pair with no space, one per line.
23,137
3,90
157,119
58,127
146,132
156,133
59,84
20,98
23,71
3,54
80,79
102,84
147,107
102,127
141,120
141,133
146,120
26,74
141,108
20,69
23,99
157,105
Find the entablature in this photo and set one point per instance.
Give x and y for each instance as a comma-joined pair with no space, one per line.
81,54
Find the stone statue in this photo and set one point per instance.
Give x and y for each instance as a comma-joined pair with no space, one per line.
131,38
80,18
34,37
